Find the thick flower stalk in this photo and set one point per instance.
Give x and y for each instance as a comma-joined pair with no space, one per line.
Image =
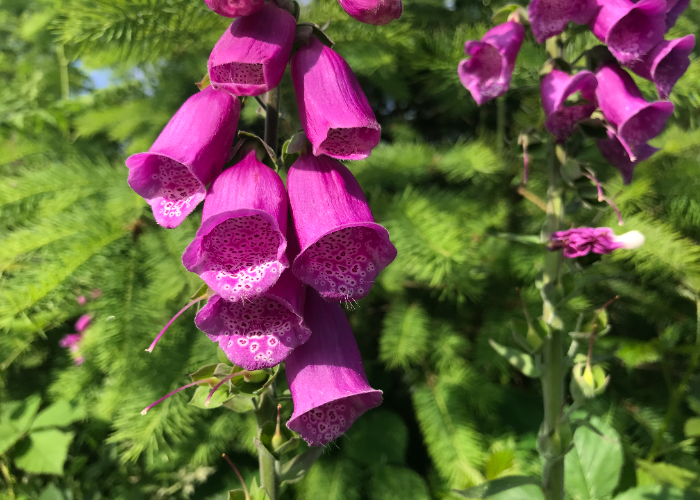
239,250
666,63
629,29
581,241
549,18
333,109
562,117
250,57
188,154
377,12
487,73
235,8
326,377
635,120
613,151
342,248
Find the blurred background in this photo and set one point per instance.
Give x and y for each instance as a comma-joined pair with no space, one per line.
85,83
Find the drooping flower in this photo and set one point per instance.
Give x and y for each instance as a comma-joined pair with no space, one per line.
636,120
629,29
235,8
377,12
239,250
549,18
666,63
326,377
488,72
250,57
674,8
188,154
581,241
613,151
333,109
557,87
342,248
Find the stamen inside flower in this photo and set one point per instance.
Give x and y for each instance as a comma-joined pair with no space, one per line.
326,423
239,73
346,142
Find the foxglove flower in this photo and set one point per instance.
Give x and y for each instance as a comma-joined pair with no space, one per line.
377,12
556,88
326,377
188,154
613,151
666,63
581,241
333,109
342,248
674,8
72,340
83,322
636,120
235,8
549,18
629,29
250,57
487,73
239,250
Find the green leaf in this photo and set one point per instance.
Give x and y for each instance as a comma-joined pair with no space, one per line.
379,437
296,468
390,482
499,463
15,419
59,414
520,360
666,475
51,492
692,427
490,488
240,403
45,453
655,492
592,467
218,398
236,495
204,372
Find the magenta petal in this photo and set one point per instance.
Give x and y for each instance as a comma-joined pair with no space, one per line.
629,29
549,18
580,241
239,248
556,87
333,109
666,63
188,154
82,323
250,57
342,248
674,8
613,151
235,8
488,72
377,12
70,340
326,377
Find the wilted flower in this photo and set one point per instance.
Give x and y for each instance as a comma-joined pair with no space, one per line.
487,73
557,87
377,12
250,57
235,8
581,241
188,154
666,63
549,18
333,109
674,8
326,377
613,151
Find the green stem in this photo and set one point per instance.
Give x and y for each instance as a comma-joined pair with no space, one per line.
272,114
63,63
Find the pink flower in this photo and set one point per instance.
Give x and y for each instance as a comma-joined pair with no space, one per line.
581,241
556,87
377,12
235,8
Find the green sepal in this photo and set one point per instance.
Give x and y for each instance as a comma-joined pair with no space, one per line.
496,486
248,140
204,372
296,468
290,445
292,148
202,291
206,81
521,361
236,495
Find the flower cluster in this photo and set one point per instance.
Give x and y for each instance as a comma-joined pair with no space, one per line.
72,340
274,286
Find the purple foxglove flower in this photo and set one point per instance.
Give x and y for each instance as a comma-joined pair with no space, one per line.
239,248
326,377
581,241
188,154
549,18
235,8
629,29
674,8
251,56
342,248
613,151
636,120
81,300
377,12
666,63
556,87
333,109
487,73
70,341
83,322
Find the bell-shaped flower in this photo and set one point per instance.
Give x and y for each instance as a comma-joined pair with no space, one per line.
333,109
581,241
239,250
188,154
250,57
636,120
629,29
235,8
377,12
326,377
549,18
666,63
487,73
83,322
613,151
562,115
674,8
342,248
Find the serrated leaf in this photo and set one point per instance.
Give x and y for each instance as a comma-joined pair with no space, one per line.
490,488
390,482
520,360
15,419
296,468
45,452
59,414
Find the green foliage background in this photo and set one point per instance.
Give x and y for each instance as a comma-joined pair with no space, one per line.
444,181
